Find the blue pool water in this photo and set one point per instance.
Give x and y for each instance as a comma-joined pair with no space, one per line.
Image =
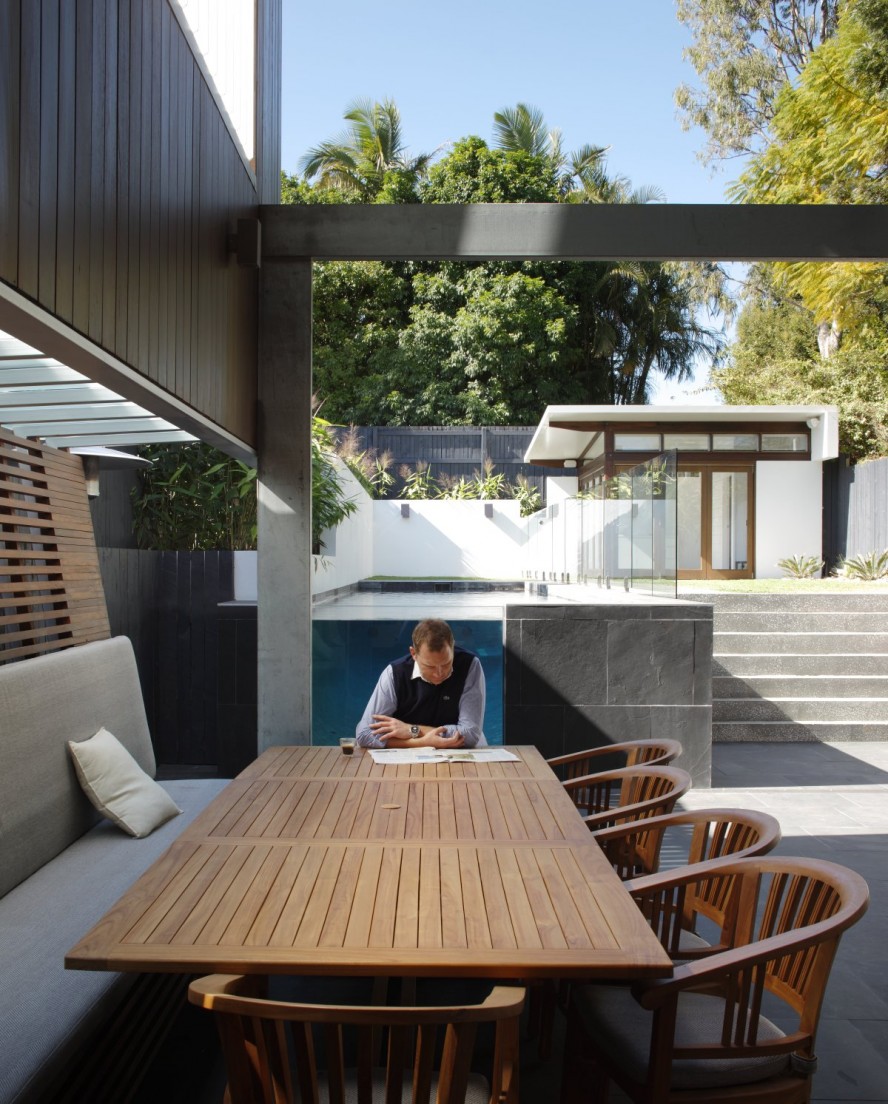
348,657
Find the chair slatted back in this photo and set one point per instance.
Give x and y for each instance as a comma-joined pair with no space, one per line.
258,1059
760,901
630,753
614,797
698,835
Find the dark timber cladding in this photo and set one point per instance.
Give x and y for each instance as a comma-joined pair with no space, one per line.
564,231
119,182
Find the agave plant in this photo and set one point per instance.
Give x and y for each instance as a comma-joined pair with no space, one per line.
866,566
801,567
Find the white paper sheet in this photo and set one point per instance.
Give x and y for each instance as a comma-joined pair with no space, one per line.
440,755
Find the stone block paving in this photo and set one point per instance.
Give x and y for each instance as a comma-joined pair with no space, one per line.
832,803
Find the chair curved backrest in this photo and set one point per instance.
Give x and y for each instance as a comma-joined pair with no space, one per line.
634,849
634,753
702,1033
258,1061
614,797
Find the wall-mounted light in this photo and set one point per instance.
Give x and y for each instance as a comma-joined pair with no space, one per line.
99,458
405,509
570,463
488,509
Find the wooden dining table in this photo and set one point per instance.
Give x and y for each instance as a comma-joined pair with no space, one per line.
316,862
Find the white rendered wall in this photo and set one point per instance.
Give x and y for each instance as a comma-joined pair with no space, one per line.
788,513
450,538
347,551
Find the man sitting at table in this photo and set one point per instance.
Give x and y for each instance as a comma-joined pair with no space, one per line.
433,697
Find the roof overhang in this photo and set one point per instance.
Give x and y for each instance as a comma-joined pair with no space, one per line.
568,433
59,387
42,398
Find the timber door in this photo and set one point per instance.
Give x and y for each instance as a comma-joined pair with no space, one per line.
715,531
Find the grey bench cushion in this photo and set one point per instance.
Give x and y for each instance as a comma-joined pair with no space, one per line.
44,702
45,1010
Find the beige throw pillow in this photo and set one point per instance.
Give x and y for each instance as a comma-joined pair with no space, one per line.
118,787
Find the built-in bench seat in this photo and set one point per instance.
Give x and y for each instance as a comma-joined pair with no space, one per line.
60,870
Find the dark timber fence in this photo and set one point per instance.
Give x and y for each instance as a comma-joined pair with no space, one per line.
454,450
855,509
196,655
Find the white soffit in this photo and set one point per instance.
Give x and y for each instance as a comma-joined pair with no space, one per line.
43,398
561,441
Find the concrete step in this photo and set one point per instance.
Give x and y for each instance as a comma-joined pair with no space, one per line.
801,709
799,643
801,686
800,621
772,664
875,599
789,732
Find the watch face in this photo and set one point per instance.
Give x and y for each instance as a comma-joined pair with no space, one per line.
414,730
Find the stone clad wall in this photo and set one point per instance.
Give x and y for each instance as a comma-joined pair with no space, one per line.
579,676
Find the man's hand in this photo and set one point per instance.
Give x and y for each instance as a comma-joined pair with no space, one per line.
438,738
395,733
388,728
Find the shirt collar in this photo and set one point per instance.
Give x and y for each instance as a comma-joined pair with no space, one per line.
417,674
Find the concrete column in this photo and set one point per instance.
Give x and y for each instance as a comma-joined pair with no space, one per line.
284,504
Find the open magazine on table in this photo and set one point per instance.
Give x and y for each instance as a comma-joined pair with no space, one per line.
443,755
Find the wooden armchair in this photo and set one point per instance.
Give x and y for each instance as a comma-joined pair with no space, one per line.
258,1060
708,1033
615,797
632,753
634,848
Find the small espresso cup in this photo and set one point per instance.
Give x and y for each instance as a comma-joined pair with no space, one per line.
347,745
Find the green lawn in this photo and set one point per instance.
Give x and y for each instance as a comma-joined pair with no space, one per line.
780,586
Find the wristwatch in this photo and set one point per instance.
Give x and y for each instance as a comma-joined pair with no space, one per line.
414,731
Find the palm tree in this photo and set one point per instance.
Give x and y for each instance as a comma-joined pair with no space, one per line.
358,159
523,127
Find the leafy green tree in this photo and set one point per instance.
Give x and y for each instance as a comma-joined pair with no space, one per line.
745,52
493,343
853,379
830,145
474,173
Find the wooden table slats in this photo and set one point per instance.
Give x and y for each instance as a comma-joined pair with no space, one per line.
312,862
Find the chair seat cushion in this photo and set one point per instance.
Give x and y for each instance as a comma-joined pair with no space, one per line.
477,1089
622,1028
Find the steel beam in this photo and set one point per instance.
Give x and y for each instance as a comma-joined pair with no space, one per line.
578,232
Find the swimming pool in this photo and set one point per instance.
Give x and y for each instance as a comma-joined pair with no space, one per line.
349,655
356,635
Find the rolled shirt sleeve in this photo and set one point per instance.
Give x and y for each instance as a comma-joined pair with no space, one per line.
383,700
471,707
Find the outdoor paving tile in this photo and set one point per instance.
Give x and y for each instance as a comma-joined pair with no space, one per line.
852,1063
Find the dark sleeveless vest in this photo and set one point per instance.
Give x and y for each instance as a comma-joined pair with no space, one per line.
420,702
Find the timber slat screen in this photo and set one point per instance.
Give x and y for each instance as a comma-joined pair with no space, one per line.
51,594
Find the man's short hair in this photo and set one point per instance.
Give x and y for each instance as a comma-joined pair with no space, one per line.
436,635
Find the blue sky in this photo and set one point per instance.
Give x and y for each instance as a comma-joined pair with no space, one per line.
603,71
